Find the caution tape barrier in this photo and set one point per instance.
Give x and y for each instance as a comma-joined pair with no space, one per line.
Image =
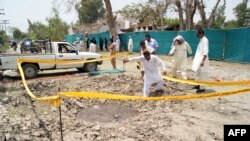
70,61
56,100
207,83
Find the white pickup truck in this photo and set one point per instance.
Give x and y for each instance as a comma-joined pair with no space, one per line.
53,51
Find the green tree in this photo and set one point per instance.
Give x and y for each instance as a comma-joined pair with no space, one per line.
37,30
171,21
57,28
3,37
242,13
230,24
142,12
18,34
3,40
219,18
89,11
110,17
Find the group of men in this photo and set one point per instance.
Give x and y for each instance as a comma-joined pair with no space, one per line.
179,49
91,44
148,42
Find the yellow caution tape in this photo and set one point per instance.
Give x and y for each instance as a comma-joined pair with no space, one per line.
51,100
56,100
70,61
97,95
207,83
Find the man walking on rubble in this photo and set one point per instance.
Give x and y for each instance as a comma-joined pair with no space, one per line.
144,48
201,62
152,73
179,49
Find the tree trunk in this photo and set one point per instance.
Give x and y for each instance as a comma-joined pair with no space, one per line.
180,11
111,19
201,8
192,13
212,15
164,10
188,14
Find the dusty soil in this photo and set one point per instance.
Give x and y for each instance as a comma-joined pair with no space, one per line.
98,119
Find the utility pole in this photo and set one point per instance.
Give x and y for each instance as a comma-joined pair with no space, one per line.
2,13
4,23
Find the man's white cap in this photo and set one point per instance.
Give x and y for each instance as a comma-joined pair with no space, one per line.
179,37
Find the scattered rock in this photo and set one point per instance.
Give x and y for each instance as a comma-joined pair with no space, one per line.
97,128
128,139
25,137
6,99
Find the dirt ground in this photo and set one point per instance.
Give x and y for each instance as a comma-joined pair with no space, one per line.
22,119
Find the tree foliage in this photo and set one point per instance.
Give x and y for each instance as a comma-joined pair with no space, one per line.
89,11
3,37
37,30
140,11
242,14
147,13
219,18
169,21
57,28
230,24
18,34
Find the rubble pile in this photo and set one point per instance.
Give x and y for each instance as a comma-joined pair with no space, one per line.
90,119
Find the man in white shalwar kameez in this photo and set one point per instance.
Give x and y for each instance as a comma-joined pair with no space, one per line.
143,48
179,49
152,73
118,43
201,61
92,46
78,44
130,45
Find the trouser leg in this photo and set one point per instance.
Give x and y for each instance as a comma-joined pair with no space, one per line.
200,75
183,68
160,85
184,74
173,73
113,62
146,89
142,74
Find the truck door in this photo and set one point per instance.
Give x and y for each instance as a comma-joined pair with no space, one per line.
67,52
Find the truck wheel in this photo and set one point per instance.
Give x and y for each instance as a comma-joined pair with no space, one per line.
30,71
88,67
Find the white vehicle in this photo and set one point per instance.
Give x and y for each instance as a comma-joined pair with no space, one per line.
53,51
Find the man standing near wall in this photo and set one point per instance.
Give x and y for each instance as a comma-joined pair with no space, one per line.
151,42
201,61
78,44
130,45
106,43
101,43
112,49
118,43
92,46
87,41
